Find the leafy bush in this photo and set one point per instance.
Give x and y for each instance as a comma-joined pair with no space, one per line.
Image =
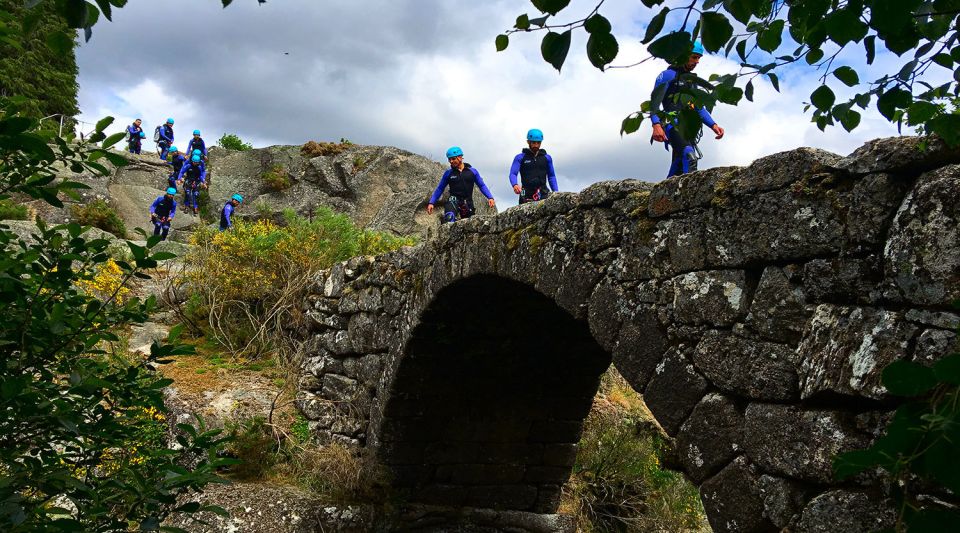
250,280
276,179
10,210
317,149
254,446
233,142
920,446
359,163
618,481
80,445
99,214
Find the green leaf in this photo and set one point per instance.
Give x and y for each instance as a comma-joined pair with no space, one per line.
106,8
597,24
905,378
769,38
554,48
602,49
103,123
748,91
944,60
226,3
844,26
870,45
947,369
850,120
715,30
740,9
112,140
631,124
892,100
774,80
540,21
523,22
689,122
550,6
847,75
502,42
60,42
849,464
674,47
651,3
823,98
814,55
74,11
656,24
920,112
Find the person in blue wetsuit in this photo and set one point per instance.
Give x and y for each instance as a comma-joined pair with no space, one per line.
685,153
193,178
134,136
165,137
196,143
227,211
162,212
177,161
461,178
536,170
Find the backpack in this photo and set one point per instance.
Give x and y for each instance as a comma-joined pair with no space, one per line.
156,134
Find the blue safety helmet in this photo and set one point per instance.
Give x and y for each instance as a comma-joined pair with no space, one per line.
535,135
196,132
171,190
237,197
698,47
170,121
196,151
195,159
173,149
143,135
454,151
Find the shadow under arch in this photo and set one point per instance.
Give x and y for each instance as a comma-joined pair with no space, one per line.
489,399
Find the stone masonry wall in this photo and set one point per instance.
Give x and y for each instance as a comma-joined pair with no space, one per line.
753,307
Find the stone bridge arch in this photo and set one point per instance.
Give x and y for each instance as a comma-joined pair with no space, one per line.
752,307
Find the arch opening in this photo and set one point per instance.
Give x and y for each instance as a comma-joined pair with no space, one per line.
489,400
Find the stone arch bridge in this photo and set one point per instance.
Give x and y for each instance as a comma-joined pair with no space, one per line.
752,307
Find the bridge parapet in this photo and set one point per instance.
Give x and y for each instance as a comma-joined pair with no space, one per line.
753,307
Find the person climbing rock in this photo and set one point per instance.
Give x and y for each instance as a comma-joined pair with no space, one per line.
162,212
196,143
193,178
461,177
176,161
685,152
163,136
134,136
535,167
227,211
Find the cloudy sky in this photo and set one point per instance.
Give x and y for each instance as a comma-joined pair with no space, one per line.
421,75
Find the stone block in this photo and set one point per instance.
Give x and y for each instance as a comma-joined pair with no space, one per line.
789,441
548,499
845,349
640,347
441,453
559,454
538,474
844,511
516,497
673,391
510,452
751,368
778,309
783,499
922,255
717,298
711,437
370,300
843,280
933,345
687,191
337,388
556,431
732,500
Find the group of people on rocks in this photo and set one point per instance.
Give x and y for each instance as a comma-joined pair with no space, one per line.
188,170
535,166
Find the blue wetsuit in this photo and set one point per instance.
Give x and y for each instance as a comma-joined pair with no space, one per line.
684,158
225,214
193,176
134,143
177,163
164,210
460,202
535,170
197,143
166,139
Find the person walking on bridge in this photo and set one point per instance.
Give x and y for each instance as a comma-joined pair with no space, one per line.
535,167
162,212
461,177
676,79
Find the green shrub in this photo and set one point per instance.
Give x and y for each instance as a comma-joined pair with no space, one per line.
359,163
276,179
317,149
254,446
231,141
99,214
10,210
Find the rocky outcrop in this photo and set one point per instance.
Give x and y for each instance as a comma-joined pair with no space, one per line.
754,308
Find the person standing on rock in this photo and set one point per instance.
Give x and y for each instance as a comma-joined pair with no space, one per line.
535,167
134,134
461,177
164,137
162,212
193,178
176,161
685,152
227,211
196,143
